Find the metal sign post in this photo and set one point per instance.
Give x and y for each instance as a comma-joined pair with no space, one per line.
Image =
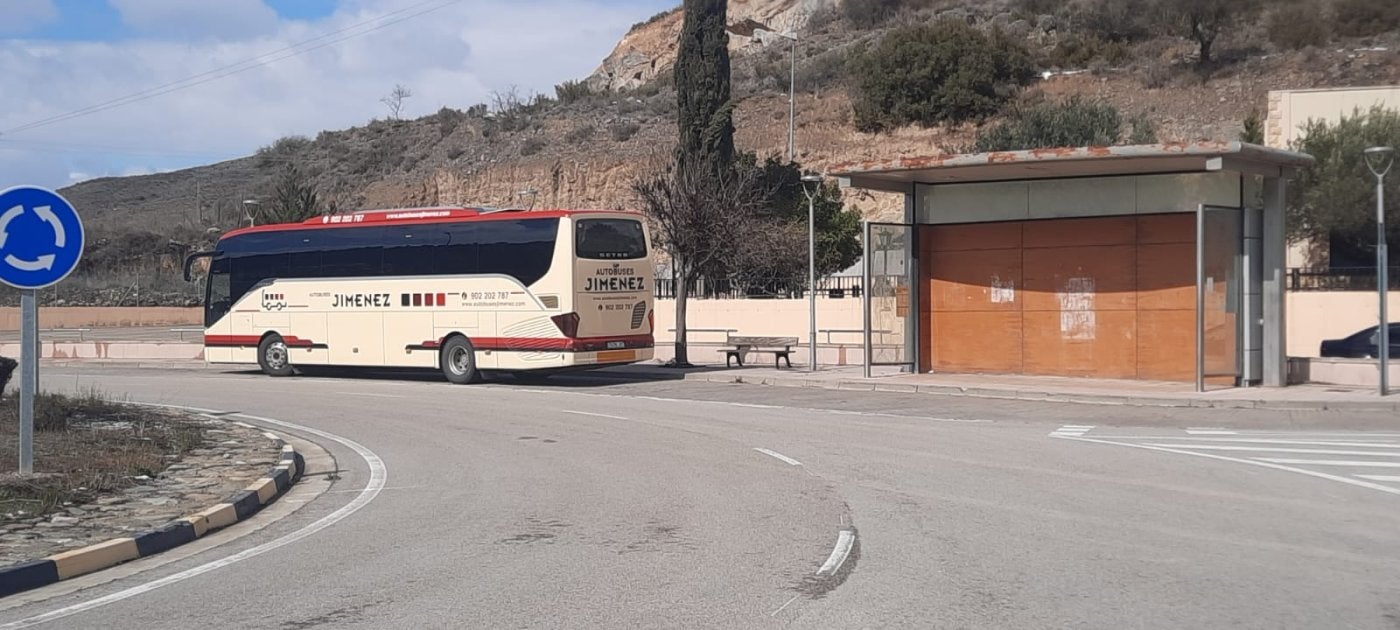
28,377
41,240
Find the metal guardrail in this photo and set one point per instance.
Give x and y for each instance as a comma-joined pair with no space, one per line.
763,288
850,331
64,332
1338,278
181,332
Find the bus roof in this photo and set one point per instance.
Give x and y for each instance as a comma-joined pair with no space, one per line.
411,216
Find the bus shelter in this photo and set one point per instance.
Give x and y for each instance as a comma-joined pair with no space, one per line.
1153,262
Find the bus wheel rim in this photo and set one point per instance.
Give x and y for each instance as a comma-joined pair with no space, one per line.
459,361
276,355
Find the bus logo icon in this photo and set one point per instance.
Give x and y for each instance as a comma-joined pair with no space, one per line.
274,301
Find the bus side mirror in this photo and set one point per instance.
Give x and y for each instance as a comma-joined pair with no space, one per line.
189,263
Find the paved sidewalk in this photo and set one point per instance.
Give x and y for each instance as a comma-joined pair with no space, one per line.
1057,389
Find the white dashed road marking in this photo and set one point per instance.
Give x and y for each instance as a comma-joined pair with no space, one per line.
778,455
1357,459
844,540
595,415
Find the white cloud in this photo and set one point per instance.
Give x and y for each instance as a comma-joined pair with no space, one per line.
19,16
453,57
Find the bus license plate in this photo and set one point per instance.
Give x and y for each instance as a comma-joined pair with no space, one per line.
617,345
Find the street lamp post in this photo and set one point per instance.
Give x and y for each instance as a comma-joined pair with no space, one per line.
811,264
748,28
249,207
1379,160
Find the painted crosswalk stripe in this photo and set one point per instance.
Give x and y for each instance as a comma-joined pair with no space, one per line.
1329,462
1072,430
1394,478
1269,449
1242,440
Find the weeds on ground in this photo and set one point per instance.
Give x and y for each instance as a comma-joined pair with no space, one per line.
85,445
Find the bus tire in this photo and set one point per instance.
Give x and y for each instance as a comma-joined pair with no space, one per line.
458,361
273,356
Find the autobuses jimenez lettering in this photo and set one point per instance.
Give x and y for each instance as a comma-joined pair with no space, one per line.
361,300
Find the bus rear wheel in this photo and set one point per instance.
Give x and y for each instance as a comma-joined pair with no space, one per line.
273,356
458,361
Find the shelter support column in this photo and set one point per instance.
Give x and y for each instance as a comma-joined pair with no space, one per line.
1251,328
912,325
1274,248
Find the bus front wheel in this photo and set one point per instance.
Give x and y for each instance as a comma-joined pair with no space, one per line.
273,356
458,361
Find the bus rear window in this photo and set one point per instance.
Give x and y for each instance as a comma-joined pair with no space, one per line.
610,239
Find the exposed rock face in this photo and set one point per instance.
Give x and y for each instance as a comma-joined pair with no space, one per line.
650,49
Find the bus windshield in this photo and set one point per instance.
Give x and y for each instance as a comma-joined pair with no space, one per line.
610,239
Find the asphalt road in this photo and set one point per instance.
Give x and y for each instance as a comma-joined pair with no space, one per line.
583,504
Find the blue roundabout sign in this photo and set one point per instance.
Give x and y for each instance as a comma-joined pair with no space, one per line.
41,237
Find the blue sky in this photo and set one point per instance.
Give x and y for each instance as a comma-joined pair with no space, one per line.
60,56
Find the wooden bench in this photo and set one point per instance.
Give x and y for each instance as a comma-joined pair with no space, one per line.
762,345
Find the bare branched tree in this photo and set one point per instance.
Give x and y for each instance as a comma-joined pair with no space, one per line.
394,101
511,109
702,221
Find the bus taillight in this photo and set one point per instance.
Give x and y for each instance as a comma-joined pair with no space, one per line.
567,323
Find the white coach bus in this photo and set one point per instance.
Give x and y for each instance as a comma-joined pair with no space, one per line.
458,289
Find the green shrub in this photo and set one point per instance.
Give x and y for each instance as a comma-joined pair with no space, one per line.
824,70
283,150
1037,7
448,120
532,146
1078,51
580,134
1364,18
1141,130
1298,25
1334,199
948,72
1114,20
572,91
871,13
622,132
1072,123
1253,132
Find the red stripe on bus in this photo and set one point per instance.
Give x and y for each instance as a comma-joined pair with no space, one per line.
561,344
239,341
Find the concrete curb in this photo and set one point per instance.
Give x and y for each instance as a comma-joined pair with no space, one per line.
32,574
1126,400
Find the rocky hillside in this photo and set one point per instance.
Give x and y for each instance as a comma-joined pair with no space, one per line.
584,148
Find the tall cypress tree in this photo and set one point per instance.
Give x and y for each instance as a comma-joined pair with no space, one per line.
706,114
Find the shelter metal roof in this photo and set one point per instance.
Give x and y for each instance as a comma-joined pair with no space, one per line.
899,174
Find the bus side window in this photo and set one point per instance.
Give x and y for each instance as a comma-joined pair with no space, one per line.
522,249
409,252
459,255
